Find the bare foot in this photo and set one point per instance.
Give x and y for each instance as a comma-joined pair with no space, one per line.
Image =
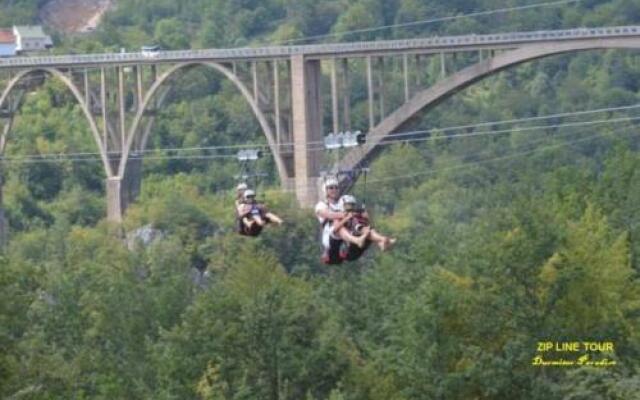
388,244
362,239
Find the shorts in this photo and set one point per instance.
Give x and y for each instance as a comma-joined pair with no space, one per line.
255,229
352,252
331,254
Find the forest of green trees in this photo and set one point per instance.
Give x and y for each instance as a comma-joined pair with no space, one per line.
504,241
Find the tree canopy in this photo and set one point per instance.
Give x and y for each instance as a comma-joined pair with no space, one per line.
505,241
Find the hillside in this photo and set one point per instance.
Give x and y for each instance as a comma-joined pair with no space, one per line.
71,16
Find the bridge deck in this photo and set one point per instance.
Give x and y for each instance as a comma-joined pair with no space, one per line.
354,49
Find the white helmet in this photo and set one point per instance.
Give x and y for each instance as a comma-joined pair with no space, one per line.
249,193
348,199
241,186
330,182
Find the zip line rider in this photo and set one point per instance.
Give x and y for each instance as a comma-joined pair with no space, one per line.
357,223
253,216
327,211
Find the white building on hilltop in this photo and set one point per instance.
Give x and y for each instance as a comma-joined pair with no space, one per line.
7,43
31,38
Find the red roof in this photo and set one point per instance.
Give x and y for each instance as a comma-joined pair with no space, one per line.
6,36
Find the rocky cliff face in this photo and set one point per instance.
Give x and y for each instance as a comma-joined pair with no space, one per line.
71,16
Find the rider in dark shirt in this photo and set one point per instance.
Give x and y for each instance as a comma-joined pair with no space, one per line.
357,223
254,216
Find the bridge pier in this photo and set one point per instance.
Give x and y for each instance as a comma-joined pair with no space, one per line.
123,191
133,179
115,205
307,127
4,226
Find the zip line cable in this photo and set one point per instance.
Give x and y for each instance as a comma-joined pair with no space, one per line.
432,130
429,21
505,157
475,163
470,164
35,160
385,179
466,164
392,138
527,119
514,130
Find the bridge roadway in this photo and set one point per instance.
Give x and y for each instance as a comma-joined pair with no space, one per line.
320,51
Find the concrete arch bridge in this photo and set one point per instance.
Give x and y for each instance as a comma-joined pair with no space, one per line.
293,92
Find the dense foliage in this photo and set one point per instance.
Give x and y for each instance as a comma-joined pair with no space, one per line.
505,240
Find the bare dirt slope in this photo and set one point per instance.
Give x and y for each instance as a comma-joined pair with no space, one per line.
74,15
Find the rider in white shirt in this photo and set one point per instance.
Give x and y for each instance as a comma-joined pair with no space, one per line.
328,212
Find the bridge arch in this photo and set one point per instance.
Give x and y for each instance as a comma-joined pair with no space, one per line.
76,93
262,120
467,76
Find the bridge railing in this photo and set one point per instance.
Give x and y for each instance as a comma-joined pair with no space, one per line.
433,43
